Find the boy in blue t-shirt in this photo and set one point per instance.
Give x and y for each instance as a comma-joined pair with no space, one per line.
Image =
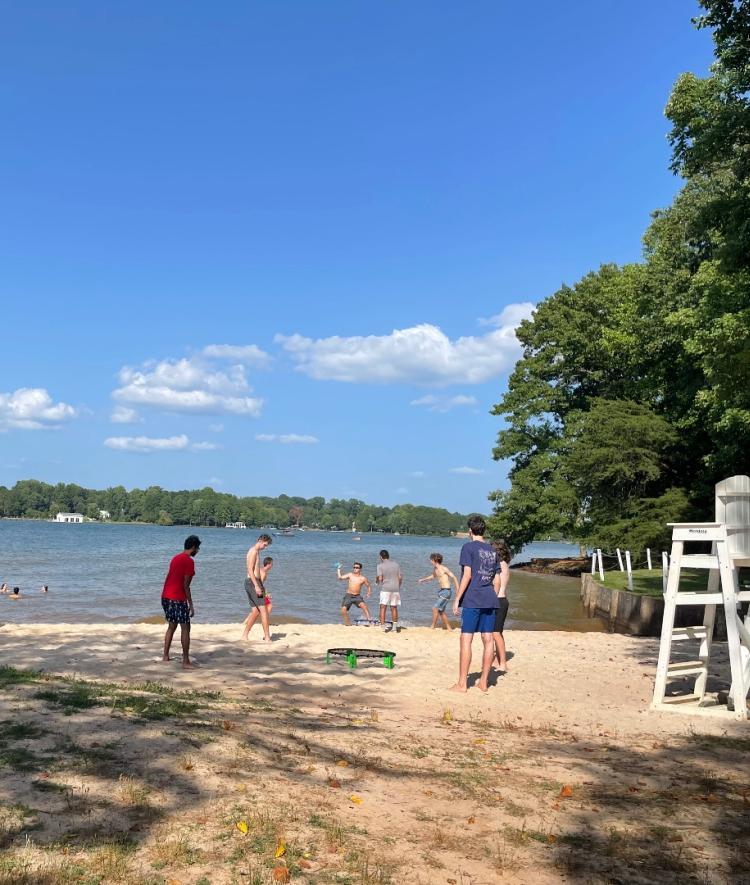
478,600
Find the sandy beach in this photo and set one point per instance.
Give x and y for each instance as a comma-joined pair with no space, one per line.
273,765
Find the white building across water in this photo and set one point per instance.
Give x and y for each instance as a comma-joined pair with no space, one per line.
69,517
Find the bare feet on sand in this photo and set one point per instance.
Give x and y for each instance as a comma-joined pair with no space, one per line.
461,689
190,665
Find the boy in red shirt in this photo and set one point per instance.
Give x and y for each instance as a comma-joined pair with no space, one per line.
177,601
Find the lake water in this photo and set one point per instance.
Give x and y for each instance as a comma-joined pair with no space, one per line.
102,572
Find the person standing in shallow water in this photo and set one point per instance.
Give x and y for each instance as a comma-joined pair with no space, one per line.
353,595
444,576
478,600
177,600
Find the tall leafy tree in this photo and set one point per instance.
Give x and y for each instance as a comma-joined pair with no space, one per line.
632,397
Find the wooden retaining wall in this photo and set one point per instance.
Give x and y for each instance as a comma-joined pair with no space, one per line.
633,613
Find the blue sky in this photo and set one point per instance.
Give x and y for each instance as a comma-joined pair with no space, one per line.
282,247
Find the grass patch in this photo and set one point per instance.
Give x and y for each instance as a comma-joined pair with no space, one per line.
47,786
168,853
471,782
13,676
21,759
190,694
19,731
72,700
149,707
132,793
649,583
148,700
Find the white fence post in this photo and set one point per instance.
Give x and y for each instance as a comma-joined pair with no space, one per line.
648,558
664,571
630,570
619,559
601,567
593,563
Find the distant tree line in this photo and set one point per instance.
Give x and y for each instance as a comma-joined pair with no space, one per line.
632,397
38,500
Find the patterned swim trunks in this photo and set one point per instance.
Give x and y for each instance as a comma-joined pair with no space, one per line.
443,598
175,612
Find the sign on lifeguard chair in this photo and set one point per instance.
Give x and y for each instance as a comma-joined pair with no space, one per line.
730,550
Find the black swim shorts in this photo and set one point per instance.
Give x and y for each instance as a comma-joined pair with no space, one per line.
501,613
175,612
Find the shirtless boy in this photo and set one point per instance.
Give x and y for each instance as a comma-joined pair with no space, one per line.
256,592
353,595
443,575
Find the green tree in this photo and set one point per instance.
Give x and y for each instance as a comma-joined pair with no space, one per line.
632,395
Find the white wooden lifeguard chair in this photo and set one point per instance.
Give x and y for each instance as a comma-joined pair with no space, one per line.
730,550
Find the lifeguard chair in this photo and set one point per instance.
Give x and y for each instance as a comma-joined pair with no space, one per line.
730,550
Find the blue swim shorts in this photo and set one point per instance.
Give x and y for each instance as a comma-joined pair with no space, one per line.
478,620
443,598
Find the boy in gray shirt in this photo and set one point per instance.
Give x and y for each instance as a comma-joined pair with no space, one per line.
390,579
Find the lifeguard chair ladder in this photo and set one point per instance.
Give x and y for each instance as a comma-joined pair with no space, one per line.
730,550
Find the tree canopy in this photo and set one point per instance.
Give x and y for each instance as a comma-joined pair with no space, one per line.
632,396
38,500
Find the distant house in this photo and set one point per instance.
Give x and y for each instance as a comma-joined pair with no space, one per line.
69,517
104,514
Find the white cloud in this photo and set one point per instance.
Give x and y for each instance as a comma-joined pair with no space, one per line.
417,355
32,408
188,385
248,354
144,444
466,471
124,415
444,403
287,438
512,315
418,474
216,428
147,443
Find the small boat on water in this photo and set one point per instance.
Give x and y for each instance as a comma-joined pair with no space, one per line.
235,525
285,533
